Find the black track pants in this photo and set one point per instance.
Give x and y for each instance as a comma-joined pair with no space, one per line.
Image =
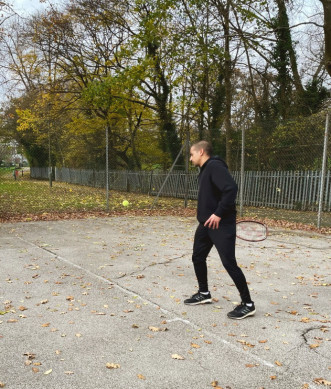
224,239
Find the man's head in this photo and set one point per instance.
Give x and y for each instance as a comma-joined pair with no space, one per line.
200,152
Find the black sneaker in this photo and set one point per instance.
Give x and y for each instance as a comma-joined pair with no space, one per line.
198,298
242,311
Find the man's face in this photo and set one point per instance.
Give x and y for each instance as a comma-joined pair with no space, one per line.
196,155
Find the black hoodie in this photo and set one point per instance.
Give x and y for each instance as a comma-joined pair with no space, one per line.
217,191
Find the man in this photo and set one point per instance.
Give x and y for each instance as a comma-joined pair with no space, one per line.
216,214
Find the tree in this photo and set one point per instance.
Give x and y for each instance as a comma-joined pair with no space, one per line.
154,46
327,33
155,73
284,61
6,11
84,53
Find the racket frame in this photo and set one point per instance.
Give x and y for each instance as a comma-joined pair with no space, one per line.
255,222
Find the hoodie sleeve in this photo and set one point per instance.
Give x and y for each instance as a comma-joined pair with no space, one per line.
227,188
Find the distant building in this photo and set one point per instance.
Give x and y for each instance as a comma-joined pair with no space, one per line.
10,156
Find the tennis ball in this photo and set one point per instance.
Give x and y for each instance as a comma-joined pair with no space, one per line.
125,203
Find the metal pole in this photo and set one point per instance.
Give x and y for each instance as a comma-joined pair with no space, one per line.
166,179
187,167
50,158
107,171
242,172
320,204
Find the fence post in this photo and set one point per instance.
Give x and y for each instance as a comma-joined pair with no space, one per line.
150,183
127,182
187,156
242,171
320,204
107,172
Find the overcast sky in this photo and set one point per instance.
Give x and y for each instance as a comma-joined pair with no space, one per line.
30,6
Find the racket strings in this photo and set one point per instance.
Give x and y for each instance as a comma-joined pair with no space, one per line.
253,231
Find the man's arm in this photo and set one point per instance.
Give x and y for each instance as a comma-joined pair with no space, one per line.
225,183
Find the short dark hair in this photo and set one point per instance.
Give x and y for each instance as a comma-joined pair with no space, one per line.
205,145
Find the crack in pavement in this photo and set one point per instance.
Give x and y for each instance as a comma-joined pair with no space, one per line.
170,260
230,345
306,340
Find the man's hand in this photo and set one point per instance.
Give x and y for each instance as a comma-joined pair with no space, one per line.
213,222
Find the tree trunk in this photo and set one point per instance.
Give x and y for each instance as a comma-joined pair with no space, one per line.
217,113
327,33
169,137
227,85
286,35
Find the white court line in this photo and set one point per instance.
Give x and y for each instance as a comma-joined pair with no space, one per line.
165,311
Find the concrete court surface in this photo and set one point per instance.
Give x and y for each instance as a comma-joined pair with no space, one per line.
76,295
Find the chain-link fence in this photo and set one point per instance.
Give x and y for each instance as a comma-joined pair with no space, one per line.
283,190
289,195
289,181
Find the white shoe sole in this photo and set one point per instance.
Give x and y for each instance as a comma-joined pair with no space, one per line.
207,301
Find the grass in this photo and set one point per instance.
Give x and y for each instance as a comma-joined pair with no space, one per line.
26,196
304,217
28,199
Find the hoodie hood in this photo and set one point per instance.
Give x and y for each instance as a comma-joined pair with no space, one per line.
214,158
217,158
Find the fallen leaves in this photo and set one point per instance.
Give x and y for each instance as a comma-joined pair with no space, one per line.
244,343
268,337
322,381
177,356
214,384
157,329
30,355
113,365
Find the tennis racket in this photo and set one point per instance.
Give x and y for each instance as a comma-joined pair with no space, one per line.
251,230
